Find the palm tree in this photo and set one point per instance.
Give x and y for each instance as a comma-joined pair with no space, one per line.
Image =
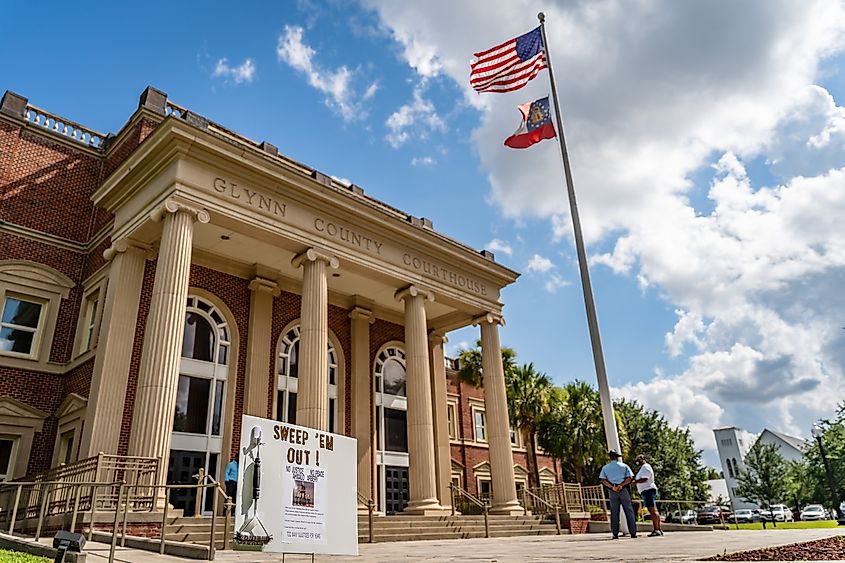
469,370
528,395
573,431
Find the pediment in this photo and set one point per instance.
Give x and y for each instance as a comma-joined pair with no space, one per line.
37,275
519,470
16,413
71,404
483,466
547,471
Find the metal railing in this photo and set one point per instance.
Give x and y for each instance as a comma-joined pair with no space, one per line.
539,506
371,506
568,496
464,500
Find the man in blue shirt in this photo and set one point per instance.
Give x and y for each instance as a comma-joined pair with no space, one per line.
230,478
616,476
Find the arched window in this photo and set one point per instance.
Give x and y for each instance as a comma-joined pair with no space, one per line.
736,469
730,468
391,429
288,375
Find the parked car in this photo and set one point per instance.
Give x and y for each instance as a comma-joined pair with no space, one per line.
713,515
681,517
814,512
745,516
777,512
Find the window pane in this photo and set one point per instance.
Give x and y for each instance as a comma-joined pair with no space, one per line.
223,355
395,430
331,415
294,360
280,406
291,408
5,456
21,313
218,409
67,446
198,342
479,425
191,405
393,378
14,340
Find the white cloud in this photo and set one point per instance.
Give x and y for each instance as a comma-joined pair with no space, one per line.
539,264
335,84
497,245
245,72
651,92
554,282
417,117
422,161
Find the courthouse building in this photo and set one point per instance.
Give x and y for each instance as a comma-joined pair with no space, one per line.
158,283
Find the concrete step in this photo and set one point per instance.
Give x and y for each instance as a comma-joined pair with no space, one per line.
444,535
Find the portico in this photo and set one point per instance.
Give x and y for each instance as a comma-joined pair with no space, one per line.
348,301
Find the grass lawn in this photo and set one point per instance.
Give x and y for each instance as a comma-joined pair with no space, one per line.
7,556
784,525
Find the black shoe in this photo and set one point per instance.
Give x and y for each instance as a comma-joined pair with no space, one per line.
654,534
633,537
615,538
661,533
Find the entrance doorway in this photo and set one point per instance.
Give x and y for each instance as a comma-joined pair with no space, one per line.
391,430
197,439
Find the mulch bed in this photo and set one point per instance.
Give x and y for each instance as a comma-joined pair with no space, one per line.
828,549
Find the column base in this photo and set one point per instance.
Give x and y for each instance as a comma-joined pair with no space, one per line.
512,508
425,508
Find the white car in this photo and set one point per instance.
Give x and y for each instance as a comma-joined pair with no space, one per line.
813,512
780,512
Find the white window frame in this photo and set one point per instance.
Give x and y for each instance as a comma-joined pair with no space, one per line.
13,455
34,282
289,384
453,427
476,410
88,325
37,332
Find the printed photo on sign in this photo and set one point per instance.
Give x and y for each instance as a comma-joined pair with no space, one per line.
303,494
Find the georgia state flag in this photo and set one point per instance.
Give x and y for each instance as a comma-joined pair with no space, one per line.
536,125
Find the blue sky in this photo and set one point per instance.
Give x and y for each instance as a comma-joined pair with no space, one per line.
706,141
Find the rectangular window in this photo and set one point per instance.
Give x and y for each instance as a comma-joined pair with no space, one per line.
452,420
480,426
291,408
514,437
89,321
726,441
216,418
66,447
192,405
7,451
485,486
395,430
331,415
19,325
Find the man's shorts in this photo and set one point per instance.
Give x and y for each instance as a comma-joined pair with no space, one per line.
649,498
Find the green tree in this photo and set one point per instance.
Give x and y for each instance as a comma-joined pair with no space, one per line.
677,465
528,402
765,478
470,371
573,432
815,477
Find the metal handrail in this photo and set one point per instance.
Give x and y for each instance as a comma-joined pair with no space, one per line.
370,509
228,505
456,490
548,505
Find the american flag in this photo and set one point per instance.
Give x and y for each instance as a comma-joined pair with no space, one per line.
508,66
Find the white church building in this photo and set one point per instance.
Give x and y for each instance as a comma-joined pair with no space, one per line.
734,443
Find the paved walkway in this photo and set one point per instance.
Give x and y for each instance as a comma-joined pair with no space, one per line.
678,546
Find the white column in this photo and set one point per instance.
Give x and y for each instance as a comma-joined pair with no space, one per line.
421,471
104,416
362,400
158,378
313,382
259,348
496,409
442,449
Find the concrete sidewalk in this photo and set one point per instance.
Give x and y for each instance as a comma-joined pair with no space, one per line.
678,546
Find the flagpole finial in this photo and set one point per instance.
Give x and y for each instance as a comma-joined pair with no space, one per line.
542,17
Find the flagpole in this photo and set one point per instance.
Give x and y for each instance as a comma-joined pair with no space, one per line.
610,429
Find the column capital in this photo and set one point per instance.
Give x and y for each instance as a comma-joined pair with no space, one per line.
313,255
492,318
173,205
265,286
435,337
414,291
122,245
361,313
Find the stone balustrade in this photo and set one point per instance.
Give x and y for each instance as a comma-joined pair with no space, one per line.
64,127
